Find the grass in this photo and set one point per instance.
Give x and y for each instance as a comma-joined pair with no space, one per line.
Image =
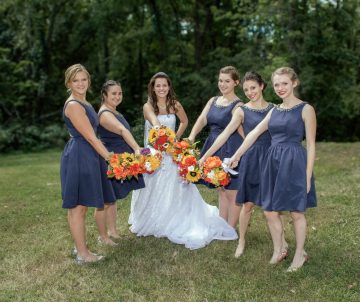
35,261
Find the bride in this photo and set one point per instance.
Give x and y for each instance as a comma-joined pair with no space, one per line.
168,207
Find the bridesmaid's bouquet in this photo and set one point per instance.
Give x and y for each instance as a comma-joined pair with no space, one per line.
162,138
124,166
189,169
214,173
182,149
150,162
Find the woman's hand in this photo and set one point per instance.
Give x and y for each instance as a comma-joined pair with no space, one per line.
201,161
189,139
234,161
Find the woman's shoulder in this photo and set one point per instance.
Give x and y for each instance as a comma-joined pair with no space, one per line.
148,106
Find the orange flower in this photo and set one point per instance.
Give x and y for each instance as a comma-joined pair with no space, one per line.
189,160
212,162
162,132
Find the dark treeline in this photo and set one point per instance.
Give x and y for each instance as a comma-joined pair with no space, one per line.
188,39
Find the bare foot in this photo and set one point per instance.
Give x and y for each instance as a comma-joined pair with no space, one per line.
240,248
298,262
277,258
106,241
114,235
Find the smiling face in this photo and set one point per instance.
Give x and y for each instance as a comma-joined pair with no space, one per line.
253,90
113,96
226,84
283,85
79,84
161,88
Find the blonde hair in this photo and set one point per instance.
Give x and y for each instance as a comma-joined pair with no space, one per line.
288,71
232,71
71,72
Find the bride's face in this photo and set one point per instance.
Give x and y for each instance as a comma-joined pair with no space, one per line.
161,88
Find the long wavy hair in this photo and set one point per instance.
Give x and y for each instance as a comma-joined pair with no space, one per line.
170,98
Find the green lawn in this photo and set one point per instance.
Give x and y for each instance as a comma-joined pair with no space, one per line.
35,261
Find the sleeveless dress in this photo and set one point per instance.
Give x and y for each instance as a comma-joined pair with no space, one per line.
80,166
252,161
114,189
218,118
283,182
168,207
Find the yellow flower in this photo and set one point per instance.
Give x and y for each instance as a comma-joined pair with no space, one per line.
193,176
152,135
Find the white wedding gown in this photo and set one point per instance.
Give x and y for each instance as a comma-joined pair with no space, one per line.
168,207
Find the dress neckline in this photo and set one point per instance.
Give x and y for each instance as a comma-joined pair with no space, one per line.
224,106
166,114
289,109
270,105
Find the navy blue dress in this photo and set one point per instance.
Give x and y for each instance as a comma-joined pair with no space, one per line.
218,118
115,189
283,182
80,166
252,161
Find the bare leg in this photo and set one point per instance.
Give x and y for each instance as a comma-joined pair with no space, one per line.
100,219
245,215
111,214
285,245
233,209
76,219
223,204
300,256
276,230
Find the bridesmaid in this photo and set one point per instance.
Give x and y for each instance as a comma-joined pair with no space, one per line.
114,132
248,182
80,161
220,113
287,183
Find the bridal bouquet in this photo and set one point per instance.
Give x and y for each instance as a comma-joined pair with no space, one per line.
124,166
149,162
189,169
161,138
214,173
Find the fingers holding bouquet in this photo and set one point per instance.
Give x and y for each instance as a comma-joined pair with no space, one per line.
234,161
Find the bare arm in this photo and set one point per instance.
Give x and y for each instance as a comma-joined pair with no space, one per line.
111,123
181,114
201,122
309,117
235,122
77,115
250,140
149,114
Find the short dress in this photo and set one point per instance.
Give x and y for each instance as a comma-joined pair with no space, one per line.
252,161
115,189
283,181
80,166
218,118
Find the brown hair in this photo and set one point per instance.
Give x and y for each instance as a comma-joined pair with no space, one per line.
170,98
232,71
254,76
288,71
71,72
105,88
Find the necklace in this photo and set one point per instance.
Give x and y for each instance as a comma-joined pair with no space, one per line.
161,106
